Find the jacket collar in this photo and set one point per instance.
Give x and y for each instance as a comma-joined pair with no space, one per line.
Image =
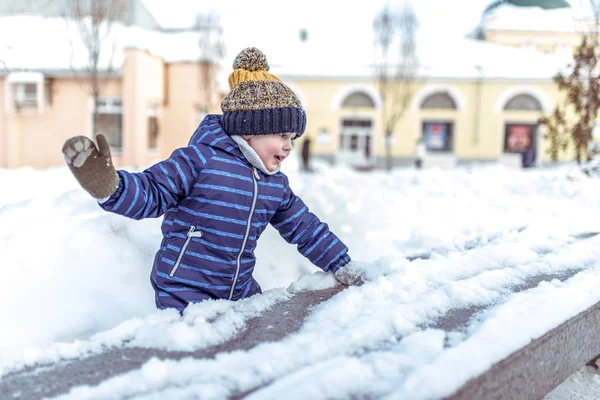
251,155
210,132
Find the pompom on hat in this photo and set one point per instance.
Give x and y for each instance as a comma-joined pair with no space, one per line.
258,102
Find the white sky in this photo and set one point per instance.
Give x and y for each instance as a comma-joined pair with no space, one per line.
459,16
257,23
79,279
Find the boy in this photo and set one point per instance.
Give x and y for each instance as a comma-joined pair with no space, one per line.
219,193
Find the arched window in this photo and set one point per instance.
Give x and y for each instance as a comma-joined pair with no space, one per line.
523,102
358,99
439,100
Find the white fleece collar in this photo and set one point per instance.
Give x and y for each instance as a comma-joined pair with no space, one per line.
251,155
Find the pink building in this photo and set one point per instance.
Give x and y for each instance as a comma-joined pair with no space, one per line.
154,90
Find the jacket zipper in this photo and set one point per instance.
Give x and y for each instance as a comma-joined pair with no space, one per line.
191,233
255,178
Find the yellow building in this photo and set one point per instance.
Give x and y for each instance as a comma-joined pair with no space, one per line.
472,105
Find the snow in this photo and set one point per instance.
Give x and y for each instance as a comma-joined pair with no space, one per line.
57,44
509,17
347,54
78,282
587,378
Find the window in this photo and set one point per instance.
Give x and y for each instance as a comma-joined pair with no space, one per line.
364,123
439,100
27,92
153,129
438,136
109,120
24,96
523,102
358,99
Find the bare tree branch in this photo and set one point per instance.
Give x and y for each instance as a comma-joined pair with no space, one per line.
212,50
396,65
94,20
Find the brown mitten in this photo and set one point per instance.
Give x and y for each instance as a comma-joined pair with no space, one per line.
91,165
351,274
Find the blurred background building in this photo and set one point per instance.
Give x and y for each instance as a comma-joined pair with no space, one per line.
72,67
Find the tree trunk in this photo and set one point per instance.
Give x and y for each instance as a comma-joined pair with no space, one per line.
95,96
388,150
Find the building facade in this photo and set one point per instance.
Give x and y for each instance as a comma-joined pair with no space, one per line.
146,111
460,122
473,101
155,87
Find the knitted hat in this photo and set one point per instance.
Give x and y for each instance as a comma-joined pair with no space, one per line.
258,102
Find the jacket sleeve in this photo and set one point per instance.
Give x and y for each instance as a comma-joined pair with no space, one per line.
150,193
297,225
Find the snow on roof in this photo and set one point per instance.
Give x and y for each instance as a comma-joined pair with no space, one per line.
54,44
461,58
469,58
508,17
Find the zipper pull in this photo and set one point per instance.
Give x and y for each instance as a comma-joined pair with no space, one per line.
194,233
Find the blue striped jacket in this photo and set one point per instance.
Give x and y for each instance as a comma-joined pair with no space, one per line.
215,206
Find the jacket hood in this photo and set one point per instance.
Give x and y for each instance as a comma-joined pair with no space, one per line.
210,132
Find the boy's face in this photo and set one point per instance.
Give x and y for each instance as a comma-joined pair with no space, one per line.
272,149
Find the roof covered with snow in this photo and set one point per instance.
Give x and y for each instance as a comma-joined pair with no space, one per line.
56,45
508,17
439,59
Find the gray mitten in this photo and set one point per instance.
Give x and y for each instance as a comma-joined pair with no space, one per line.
350,274
91,165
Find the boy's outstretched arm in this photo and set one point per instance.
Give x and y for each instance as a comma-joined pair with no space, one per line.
135,195
297,225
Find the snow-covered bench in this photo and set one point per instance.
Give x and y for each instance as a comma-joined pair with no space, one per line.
530,372
537,368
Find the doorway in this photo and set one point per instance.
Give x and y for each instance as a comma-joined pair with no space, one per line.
356,147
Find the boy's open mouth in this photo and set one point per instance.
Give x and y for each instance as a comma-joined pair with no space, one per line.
280,158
